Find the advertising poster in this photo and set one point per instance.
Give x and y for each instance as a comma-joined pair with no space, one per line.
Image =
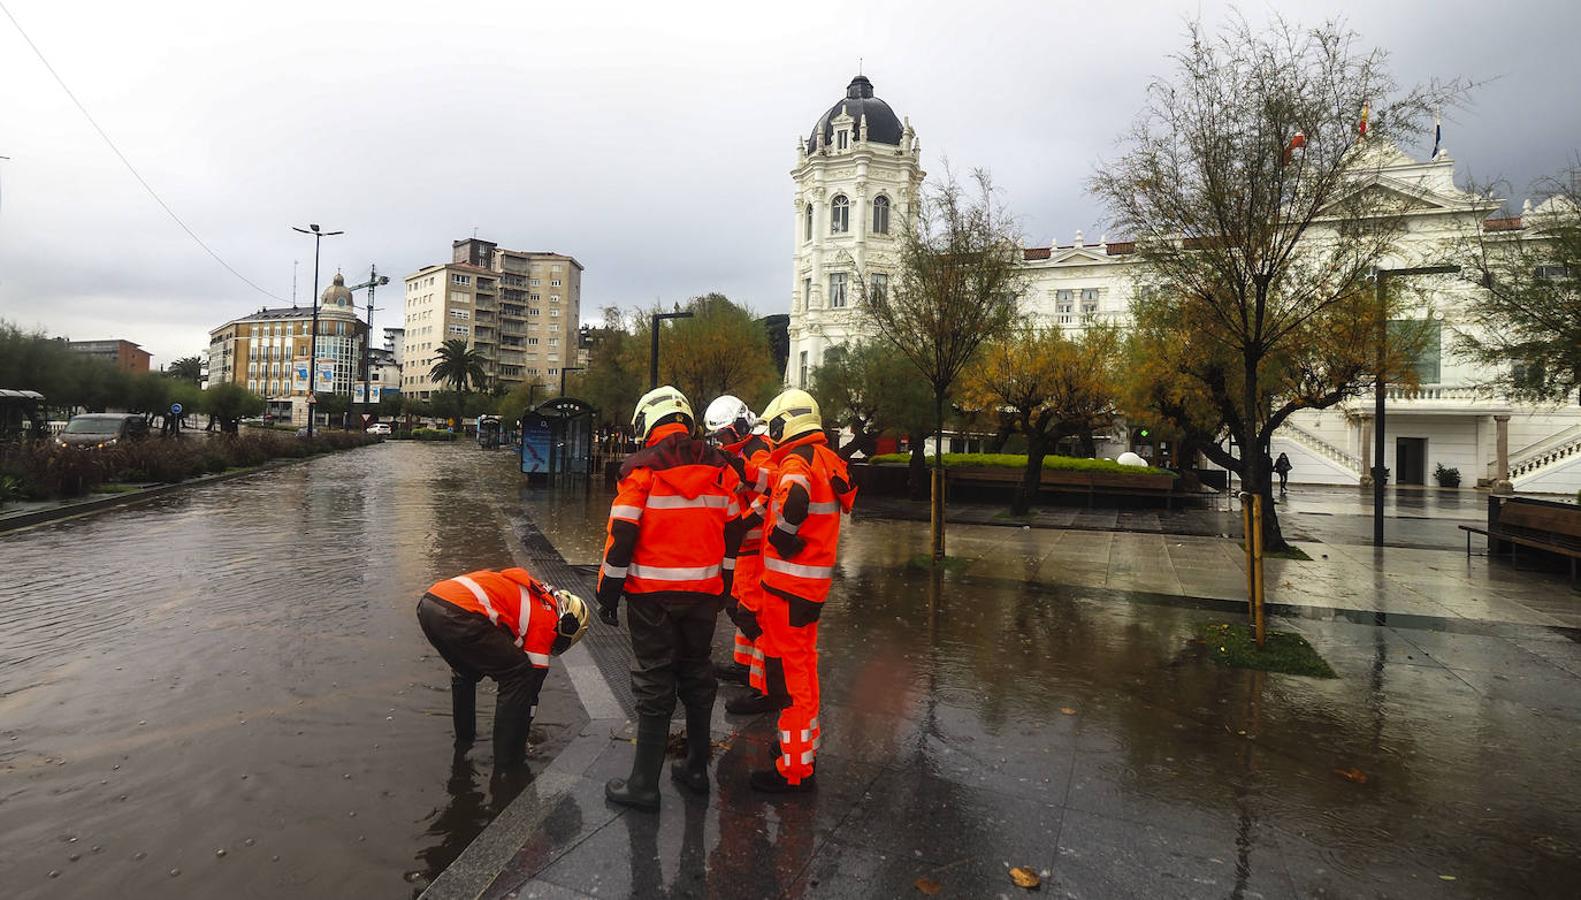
299,370
356,393
535,445
326,377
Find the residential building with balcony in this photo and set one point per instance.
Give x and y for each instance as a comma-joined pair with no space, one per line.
124,355
521,310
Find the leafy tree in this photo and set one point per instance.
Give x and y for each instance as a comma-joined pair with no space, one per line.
958,283
617,370
1255,251
1048,386
459,366
229,403
520,399
864,387
187,368
1525,328
333,407
722,349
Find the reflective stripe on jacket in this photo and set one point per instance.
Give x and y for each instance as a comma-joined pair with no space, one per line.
513,600
668,521
754,453
806,466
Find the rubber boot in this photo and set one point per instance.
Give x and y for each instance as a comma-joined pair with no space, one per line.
754,703
770,781
641,788
510,741
464,709
692,772
733,673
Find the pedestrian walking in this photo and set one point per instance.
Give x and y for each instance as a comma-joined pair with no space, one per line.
674,530
504,625
732,426
1283,467
810,493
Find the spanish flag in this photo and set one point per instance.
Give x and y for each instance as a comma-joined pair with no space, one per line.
1366,111
1299,141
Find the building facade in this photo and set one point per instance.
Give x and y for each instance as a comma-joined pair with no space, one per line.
520,310
124,355
1447,420
269,352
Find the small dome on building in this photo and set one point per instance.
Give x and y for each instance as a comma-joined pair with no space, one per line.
336,296
883,126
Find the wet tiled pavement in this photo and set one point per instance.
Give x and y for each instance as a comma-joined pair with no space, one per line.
992,717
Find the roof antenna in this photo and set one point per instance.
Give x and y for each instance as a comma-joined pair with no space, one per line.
474,232
859,65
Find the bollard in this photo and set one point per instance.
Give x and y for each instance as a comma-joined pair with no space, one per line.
1252,529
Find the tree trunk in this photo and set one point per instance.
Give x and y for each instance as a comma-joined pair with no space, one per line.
1032,476
917,469
1089,447
937,514
1001,436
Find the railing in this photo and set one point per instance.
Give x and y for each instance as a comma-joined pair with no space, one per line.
1435,392
1557,451
1322,447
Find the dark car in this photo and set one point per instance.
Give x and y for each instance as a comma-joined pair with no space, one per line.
102,429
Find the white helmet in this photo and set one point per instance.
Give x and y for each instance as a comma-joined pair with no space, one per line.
659,404
729,414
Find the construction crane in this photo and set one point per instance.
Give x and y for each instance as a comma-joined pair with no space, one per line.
375,280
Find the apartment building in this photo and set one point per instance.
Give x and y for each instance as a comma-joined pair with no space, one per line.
124,355
519,309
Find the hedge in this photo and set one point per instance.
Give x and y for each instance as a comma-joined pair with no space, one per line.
1019,461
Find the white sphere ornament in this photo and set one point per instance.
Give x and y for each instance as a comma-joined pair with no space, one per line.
1131,459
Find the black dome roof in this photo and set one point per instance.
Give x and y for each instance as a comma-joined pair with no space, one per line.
883,126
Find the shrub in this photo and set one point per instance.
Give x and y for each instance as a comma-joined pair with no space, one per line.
44,470
1019,461
1446,476
10,488
161,460
432,434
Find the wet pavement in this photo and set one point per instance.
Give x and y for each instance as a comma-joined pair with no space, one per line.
978,720
237,668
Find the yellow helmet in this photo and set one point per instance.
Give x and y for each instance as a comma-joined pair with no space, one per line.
657,405
573,620
792,414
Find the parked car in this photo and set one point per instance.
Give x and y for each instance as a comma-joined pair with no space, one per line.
102,429
379,428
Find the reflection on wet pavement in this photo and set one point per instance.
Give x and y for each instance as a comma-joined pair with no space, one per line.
237,668
974,723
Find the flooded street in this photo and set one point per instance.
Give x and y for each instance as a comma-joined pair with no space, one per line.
237,668
224,692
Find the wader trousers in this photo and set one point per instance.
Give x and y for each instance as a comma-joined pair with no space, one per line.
475,647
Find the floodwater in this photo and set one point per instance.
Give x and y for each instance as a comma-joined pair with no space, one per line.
224,692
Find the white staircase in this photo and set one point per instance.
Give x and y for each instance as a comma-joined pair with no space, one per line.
1315,460
1552,465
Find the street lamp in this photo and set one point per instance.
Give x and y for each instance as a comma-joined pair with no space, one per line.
1380,276
565,369
653,350
312,353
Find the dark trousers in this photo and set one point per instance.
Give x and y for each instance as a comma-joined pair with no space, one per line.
475,647
672,639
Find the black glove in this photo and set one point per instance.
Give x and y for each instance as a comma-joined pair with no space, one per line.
803,612
609,613
729,606
786,543
728,579
747,621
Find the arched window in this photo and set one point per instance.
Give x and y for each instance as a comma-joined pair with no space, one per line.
808,235
881,214
839,215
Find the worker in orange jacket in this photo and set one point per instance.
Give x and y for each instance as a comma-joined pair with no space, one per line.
674,530
504,625
811,491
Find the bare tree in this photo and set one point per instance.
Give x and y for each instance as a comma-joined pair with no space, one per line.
958,283
1525,328
1249,183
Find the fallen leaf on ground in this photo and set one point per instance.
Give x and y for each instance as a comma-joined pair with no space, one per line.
1355,775
1447,877
928,886
1068,710
1025,878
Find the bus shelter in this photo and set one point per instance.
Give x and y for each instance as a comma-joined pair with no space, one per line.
557,438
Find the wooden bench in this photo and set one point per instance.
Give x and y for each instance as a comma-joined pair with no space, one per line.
1538,524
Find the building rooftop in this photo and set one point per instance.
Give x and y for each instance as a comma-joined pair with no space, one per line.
883,126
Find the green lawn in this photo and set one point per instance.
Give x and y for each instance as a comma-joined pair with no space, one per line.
1019,461
1290,654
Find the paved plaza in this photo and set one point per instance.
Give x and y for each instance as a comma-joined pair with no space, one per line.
259,686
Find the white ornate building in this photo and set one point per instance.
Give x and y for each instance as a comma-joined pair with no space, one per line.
861,157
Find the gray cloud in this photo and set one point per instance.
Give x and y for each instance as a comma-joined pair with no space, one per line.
652,143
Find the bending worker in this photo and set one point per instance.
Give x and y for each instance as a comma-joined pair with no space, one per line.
504,625
730,423
801,537
674,529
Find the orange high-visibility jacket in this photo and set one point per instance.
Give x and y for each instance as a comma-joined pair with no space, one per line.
668,527
511,599
811,490
754,452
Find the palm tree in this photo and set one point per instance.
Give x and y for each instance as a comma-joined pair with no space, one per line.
459,365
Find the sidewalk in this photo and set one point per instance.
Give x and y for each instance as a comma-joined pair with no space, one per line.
1028,710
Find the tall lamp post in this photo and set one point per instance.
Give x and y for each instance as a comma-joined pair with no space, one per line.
1379,392
312,353
565,369
653,350
372,284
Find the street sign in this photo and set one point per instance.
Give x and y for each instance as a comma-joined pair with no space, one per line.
175,409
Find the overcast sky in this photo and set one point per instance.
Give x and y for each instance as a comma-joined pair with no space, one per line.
652,141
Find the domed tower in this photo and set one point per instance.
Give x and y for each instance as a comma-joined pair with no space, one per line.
857,176
336,300
340,337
